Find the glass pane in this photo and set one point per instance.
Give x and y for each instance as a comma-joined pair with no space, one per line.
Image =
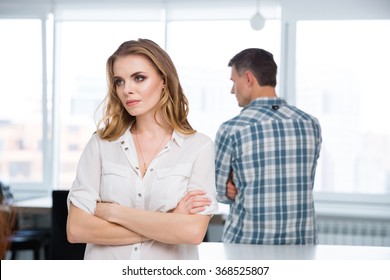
21,101
201,51
83,51
342,78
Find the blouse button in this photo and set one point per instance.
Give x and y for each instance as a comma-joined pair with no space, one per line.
151,169
136,249
140,194
137,167
126,149
123,142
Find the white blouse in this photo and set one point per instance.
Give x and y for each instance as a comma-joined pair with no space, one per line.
109,171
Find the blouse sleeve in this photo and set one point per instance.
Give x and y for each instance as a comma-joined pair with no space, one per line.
203,176
84,192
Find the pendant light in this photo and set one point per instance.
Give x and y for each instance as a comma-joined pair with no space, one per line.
257,21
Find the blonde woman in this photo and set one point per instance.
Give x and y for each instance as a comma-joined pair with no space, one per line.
145,183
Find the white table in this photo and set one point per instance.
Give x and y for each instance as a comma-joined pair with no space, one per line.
40,205
221,251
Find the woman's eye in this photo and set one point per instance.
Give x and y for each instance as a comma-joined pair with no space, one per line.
118,82
139,78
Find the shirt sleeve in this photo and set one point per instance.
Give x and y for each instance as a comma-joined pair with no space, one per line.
203,176
223,146
84,192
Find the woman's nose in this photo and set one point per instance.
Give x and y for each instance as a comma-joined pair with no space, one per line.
128,88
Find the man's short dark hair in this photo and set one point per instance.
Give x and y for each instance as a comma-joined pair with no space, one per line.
260,62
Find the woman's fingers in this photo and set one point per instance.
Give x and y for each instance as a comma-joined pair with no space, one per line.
192,194
193,202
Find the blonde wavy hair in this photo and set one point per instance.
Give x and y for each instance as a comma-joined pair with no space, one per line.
173,104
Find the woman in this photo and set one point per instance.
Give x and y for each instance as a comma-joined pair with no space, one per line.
145,183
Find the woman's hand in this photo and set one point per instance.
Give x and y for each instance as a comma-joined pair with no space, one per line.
105,210
193,202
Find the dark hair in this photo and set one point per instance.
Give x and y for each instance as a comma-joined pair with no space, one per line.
260,62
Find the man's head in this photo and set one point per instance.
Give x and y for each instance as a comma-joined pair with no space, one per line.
252,70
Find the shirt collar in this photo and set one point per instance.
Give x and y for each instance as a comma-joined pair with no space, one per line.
266,102
177,137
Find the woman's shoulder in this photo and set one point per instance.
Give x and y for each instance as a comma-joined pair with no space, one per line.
202,139
96,136
96,142
201,136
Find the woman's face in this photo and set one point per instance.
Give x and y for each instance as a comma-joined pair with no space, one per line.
138,85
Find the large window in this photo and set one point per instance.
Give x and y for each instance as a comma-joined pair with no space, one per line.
342,76
21,111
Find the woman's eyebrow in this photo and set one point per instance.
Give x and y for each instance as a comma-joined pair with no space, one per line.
137,73
132,75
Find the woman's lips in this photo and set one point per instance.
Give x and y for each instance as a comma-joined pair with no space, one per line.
132,102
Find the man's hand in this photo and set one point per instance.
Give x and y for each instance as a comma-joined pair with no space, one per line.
231,190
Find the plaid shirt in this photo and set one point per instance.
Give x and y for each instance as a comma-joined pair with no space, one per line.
272,149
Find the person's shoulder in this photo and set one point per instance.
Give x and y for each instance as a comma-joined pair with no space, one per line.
201,136
234,124
96,137
97,142
304,114
310,116
196,139
94,141
234,121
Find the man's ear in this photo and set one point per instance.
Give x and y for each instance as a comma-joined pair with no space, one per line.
250,78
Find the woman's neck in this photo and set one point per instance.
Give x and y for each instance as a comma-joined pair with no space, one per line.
148,126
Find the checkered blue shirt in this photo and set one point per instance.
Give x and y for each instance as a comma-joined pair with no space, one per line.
272,149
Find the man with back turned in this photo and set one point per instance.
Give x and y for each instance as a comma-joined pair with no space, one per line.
266,159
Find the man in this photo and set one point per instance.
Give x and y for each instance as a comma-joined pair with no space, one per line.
266,159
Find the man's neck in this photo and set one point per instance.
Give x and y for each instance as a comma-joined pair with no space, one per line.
265,91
